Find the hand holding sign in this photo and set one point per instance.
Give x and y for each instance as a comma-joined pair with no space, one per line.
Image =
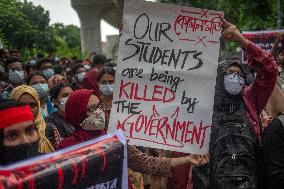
193,159
232,33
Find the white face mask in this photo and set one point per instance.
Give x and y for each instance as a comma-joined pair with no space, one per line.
96,121
234,83
80,76
106,89
62,102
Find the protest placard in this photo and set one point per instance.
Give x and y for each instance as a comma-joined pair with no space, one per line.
165,79
96,164
265,39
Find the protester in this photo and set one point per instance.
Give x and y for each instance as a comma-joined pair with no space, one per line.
275,103
278,54
38,81
105,79
19,139
88,120
16,75
59,95
239,107
47,133
273,153
90,80
78,73
45,66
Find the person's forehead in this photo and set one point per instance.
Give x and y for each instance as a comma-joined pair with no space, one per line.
46,64
66,89
15,65
38,78
19,126
80,69
107,77
27,98
234,67
93,100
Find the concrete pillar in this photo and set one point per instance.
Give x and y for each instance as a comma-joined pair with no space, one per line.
112,42
90,18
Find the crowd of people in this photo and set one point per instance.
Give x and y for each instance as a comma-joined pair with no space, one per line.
48,104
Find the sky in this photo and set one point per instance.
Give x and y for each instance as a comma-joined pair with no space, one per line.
61,11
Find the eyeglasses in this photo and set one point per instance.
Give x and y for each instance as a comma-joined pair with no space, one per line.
94,107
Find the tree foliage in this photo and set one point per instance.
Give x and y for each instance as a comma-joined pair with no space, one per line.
246,14
67,39
25,27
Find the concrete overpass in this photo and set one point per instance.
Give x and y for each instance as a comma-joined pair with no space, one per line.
90,13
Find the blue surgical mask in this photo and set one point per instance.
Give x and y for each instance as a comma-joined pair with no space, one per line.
80,76
16,76
107,89
48,73
41,89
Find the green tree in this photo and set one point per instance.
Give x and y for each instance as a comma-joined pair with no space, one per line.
245,14
67,40
25,26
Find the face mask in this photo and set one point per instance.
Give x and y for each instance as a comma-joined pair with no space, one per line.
96,121
234,83
106,89
16,76
20,152
48,73
80,76
62,102
41,89
32,62
87,67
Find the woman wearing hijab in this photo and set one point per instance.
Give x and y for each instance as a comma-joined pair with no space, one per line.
28,95
105,80
90,80
19,139
235,133
88,120
81,109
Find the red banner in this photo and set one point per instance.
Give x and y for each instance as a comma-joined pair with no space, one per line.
96,164
265,39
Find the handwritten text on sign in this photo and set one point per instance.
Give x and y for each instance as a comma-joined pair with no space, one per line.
165,79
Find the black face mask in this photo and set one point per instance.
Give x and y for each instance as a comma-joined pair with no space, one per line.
19,152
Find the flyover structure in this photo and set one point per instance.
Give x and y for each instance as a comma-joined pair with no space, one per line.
90,13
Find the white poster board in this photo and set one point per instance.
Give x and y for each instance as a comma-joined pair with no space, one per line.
165,79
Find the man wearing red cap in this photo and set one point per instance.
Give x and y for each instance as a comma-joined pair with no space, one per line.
19,139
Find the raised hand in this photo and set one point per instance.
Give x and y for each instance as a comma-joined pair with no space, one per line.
233,34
